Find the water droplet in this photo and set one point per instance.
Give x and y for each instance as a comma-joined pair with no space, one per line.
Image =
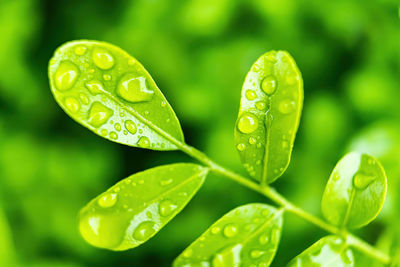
227,257
247,123
275,235
114,135
263,239
163,104
166,181
336,176
95,87
125,132
292,79
131,126
103,132
80,50
102,58
250,95
270,57
108,200
287,106
252,140
72,104
167,208
268,85
241,147
66,75
256,253
230,230
131,62
84,98
99,114
141,181
144,142
285,144
362,181
144,231
215,230
117,127
188,253
134,89
107,77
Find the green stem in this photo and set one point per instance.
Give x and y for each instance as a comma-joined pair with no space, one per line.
272,194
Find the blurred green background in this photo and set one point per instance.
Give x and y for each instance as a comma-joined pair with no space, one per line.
198,51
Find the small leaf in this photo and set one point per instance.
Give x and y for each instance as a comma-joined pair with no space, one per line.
7,252
269,114
355,192
329,251
108,91
135,209
247,235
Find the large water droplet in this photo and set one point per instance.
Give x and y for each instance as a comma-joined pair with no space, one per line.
362,181
230,230
66,75
268,85
144,142
144,231
102,58
95,87
134,89
72,104
99,114
250,95
107,200
287,106
248,123
167,207
228,257
131,126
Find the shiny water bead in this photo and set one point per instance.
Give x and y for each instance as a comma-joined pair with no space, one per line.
85,100
229,256
230,230
256,253
241,147
362,181
166,181
99,114
269,84
133,88
95,87
102,58
66,75
117,127
144,142
260,105
130,126
103,132
80,50
247,123
72,104
114,135
167,207
287,106
144,230
251,95
252,140
215,230
107,77
108,200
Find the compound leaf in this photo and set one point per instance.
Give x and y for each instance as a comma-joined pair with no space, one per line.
246,236
136,208
329,251
355,192
108,91
269,114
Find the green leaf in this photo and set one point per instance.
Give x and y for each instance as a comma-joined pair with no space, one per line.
245,236
355,192
269,114
7,253
136,208
108,91
329,251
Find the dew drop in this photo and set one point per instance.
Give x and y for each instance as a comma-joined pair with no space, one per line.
134,89
103,132
362,181
167,207
247,123
230,230
80,50
99,114
268,85
163,104
241,147
250,95
107,77
227,257
131,126
263,239
72,104
144,142
188,253
336,176
102,58
166,181
252,140
108,200
117,127
95,87
255,254
291,79
215,230
260,105
114,135
125,132
286,106
144,231
84,98
275,235
66,75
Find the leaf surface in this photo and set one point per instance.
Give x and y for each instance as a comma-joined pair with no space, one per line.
248,235
269,114
109,92
136,208
355,192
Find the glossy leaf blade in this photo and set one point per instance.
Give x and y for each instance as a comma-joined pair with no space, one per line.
135,209
245,236
108,91
269,115
355,192
329,251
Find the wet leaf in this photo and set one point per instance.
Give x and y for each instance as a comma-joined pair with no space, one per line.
7,253
108,91
136,208
329,251
247,235
355,192
269,114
